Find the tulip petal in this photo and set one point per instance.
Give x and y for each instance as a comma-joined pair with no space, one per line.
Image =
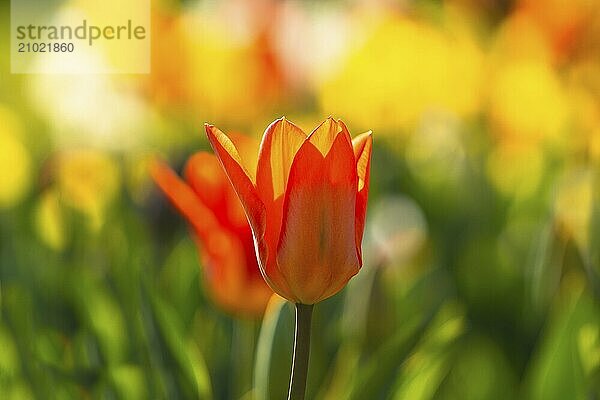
247,148
204,174
222,252
324,134
223,265
240,179
362,145
316,249
281,141
223,260
185,199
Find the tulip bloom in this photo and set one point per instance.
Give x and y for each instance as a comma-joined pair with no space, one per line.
221,231
306,205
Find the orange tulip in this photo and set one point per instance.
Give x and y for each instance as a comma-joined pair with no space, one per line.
306,205
221,231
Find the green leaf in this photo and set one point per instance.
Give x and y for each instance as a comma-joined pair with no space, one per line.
382,366
423,372
558,369
479,370
185,352
274,351
129,382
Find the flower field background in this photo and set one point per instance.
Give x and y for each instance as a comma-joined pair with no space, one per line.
481,276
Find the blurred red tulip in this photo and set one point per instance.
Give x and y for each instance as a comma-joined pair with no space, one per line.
306,206
222,232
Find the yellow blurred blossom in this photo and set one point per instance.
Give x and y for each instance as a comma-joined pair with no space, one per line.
519,38
403,69
88,181
233,75
528,102
49,221
584,91
15,161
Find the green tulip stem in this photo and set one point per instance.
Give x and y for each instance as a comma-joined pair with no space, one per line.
301,352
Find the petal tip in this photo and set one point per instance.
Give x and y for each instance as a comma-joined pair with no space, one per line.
360,140
208,127
274,124
280,120
368,135
285,124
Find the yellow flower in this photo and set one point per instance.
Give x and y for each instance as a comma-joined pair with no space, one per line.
232,71
402,70
88,181
528,102
15,161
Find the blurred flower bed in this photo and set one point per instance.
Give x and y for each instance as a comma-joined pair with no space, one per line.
481,275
